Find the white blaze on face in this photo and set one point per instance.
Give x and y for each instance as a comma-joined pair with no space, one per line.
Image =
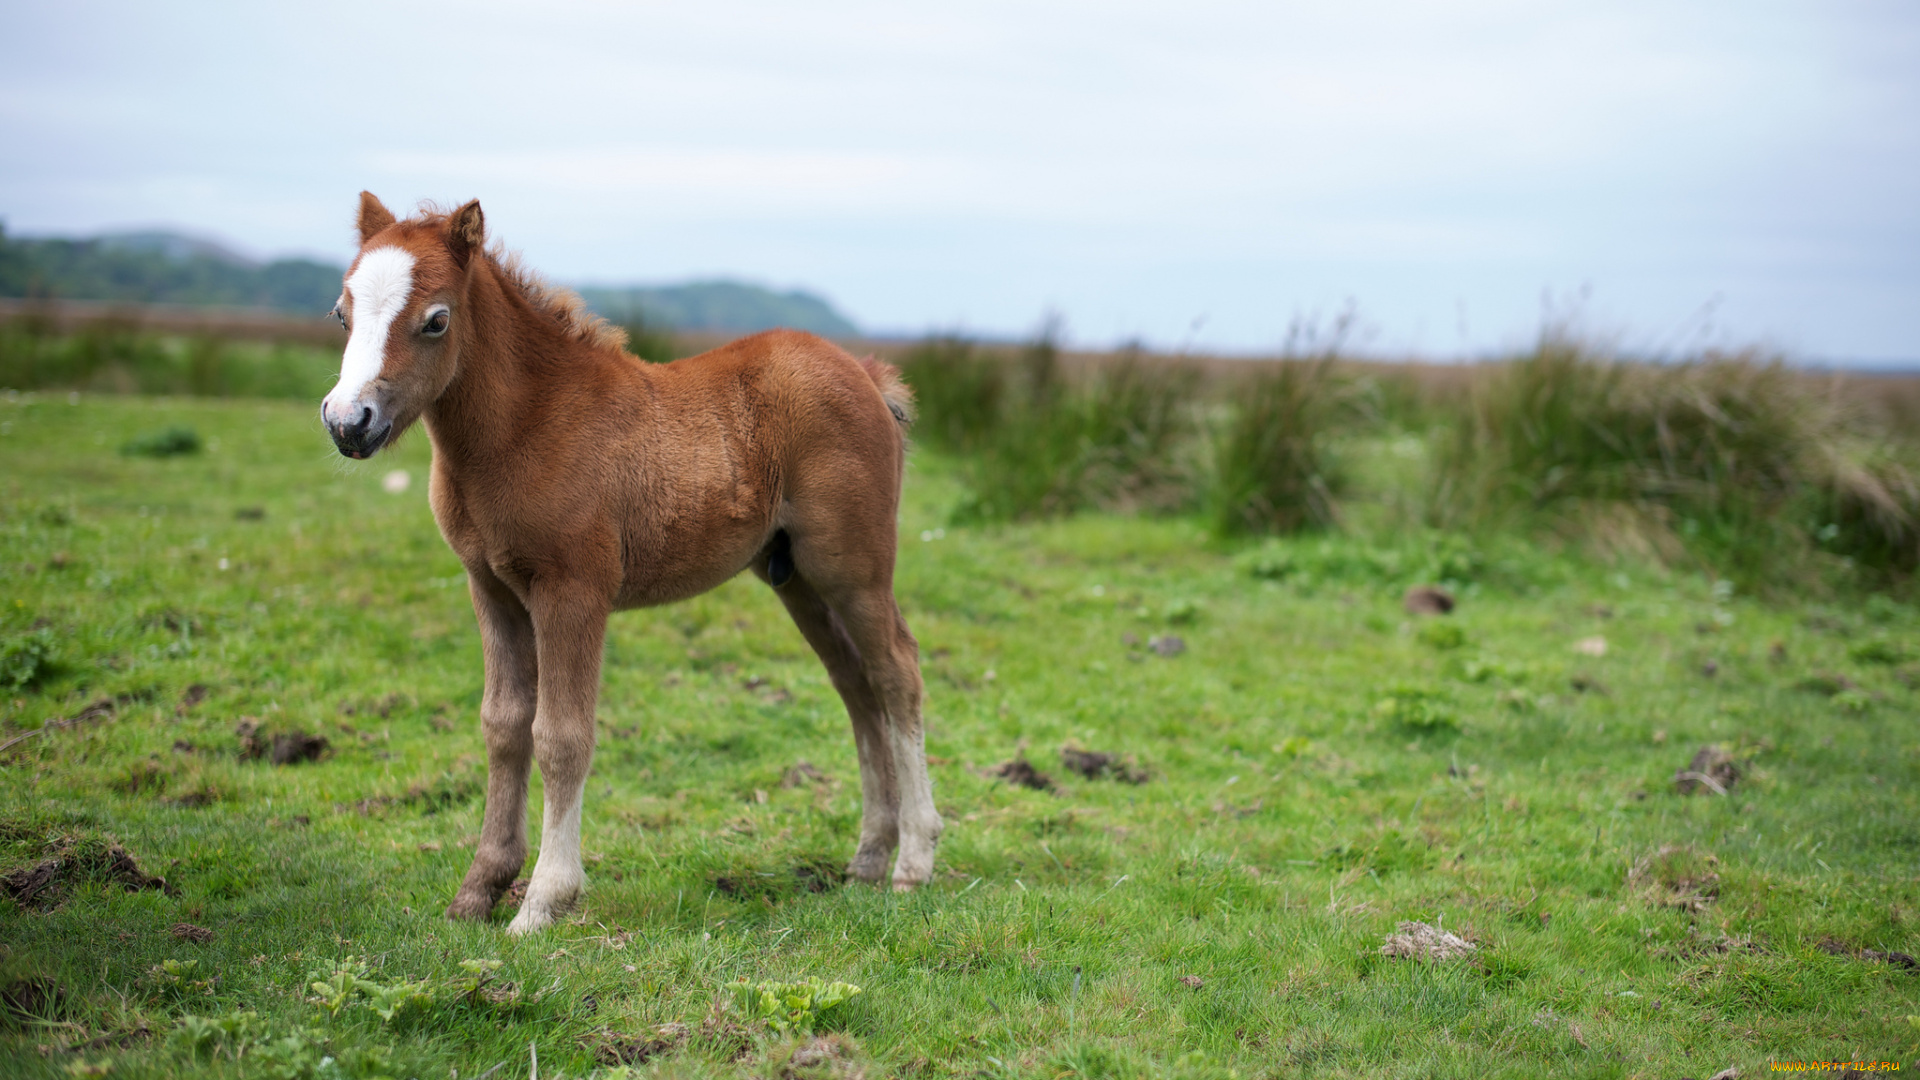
380,286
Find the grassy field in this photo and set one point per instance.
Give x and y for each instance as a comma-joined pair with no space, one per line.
1318,765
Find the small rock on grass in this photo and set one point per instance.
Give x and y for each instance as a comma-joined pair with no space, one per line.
1427,600
1421,941
1167,646
1712,769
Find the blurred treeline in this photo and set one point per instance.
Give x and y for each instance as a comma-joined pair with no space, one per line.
1731,462
161,268
207,352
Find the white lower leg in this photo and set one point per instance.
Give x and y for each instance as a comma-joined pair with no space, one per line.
879,828
919,821
558,878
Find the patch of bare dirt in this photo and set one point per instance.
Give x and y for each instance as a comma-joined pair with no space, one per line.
1167,646
1676,876
809,876
1427,600
1422,941
1712,770
186,931
1899,960
613,1049
1093,765
194,695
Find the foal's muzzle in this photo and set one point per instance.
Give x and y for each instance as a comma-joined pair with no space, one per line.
362,435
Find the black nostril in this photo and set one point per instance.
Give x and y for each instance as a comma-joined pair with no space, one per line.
366,417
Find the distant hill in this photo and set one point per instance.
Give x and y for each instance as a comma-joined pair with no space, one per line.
728,306
168,268
161,268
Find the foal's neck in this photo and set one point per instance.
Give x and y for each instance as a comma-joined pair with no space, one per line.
510,367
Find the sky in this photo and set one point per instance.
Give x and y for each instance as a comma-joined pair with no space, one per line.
1204,175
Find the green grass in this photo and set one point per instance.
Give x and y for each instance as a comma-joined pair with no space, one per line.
1321,766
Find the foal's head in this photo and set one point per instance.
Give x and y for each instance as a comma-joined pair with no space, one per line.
402,310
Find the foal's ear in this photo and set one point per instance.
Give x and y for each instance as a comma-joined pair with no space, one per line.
466,231
374,216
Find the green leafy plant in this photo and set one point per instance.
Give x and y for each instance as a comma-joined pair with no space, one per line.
166,442
25,658
345,982
790,1007
234,1033
1418,709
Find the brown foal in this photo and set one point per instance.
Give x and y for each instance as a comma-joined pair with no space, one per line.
573,480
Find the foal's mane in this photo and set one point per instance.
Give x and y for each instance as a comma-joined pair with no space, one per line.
562,305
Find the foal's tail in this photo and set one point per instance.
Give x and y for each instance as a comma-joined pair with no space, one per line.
896,393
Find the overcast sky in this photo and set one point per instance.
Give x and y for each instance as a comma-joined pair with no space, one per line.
1193,174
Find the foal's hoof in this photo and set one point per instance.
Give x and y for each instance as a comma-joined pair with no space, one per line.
470,907
530,921
870,866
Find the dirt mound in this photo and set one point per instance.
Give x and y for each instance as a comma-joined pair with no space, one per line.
44,884
1712,769
1421,941
823,1057
294,747
1020,771
1427,600
1093,765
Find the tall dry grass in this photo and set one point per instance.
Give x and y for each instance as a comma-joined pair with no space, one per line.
1733,460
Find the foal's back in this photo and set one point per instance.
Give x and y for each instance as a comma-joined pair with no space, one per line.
713,454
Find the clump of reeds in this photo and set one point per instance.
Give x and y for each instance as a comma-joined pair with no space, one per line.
1109,439
1043,442
1274,465
960,391
1734,458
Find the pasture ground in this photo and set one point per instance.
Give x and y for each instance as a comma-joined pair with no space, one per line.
1319,767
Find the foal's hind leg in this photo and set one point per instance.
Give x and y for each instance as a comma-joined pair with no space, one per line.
506,718
891,658
879,798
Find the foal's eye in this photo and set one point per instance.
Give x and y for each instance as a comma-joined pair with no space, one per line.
340,315
436,323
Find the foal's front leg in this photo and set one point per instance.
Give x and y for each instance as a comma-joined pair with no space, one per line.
569,627
506,718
